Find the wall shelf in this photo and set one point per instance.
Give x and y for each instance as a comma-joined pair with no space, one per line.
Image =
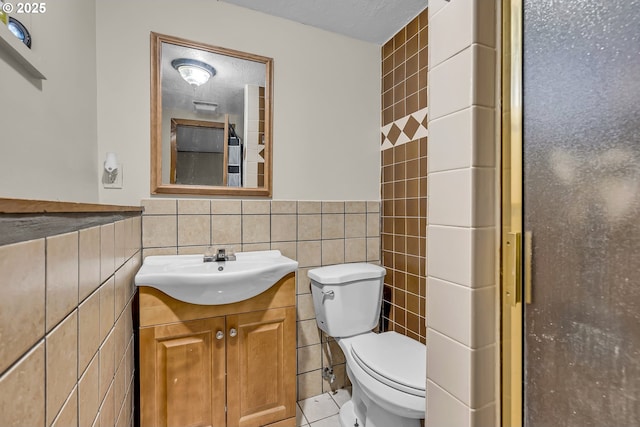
20,52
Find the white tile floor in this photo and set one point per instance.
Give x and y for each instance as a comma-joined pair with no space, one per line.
322,410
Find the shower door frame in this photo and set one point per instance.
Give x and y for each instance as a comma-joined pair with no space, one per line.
512,238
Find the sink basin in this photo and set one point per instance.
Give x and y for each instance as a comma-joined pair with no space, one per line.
187,278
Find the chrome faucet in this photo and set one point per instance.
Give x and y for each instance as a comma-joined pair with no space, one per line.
220,255
208,255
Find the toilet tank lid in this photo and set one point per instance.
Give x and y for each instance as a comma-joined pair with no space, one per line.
344,273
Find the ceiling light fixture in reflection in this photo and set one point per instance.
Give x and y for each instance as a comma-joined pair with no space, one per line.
194,72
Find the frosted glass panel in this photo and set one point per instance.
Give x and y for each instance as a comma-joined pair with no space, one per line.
582,204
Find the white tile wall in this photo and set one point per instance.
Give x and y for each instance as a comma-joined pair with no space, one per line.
461,370
451,134
474,21
464,314
463,204
444,410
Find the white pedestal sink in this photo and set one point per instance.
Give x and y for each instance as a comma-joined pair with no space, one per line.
188,278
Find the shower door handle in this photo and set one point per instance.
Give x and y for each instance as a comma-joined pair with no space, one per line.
512,277
527,278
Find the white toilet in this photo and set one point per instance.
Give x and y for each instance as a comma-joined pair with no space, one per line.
387,370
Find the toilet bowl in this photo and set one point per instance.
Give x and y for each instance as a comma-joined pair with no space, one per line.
387,370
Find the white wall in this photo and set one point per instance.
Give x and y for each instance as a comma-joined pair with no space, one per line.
326,95
48,129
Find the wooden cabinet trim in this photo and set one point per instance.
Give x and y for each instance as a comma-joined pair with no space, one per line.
158,308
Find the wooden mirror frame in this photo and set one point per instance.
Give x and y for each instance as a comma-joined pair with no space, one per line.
157,187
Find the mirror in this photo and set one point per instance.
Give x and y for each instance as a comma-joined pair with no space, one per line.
210,119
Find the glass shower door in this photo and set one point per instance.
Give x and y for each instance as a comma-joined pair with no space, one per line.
581,203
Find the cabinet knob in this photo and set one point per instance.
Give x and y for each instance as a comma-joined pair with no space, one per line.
233,332
219,335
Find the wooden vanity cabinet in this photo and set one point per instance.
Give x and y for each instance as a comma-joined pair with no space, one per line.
228,365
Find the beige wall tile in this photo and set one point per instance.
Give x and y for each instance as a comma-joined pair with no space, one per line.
226,229
159,231
62,277
194,207
107,410
136,230
283,207
120,243
373,249
69,414
309,253
88,330
129,363
159,251
355,250
128,238
194,230
119,388
107,364
373,206
192,250
283,228
309,358
123,279
160,206
107,251
288,249
233,207
332,251
250,247
256,228
22,400
373,225
302,282
309,384
332,207
305,307
107,307
61,364
22,298
89,262
355,225
89,393
309,227
308,333
332,226
309,207
119,340
136,263
355,207
251,207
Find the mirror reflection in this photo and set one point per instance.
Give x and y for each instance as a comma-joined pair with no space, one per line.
211,119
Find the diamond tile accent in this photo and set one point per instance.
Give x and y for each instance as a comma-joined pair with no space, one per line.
409,128
394,133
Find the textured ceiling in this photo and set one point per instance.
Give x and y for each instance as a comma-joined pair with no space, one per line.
374,21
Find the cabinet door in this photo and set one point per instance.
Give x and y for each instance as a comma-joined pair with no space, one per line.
182,374
261,367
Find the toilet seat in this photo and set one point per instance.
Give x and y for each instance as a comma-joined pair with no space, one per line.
393,359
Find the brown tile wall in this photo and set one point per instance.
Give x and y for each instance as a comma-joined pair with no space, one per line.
404,71
66,353
404,180
314,233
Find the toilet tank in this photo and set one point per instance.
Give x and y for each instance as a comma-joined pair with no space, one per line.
347,297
